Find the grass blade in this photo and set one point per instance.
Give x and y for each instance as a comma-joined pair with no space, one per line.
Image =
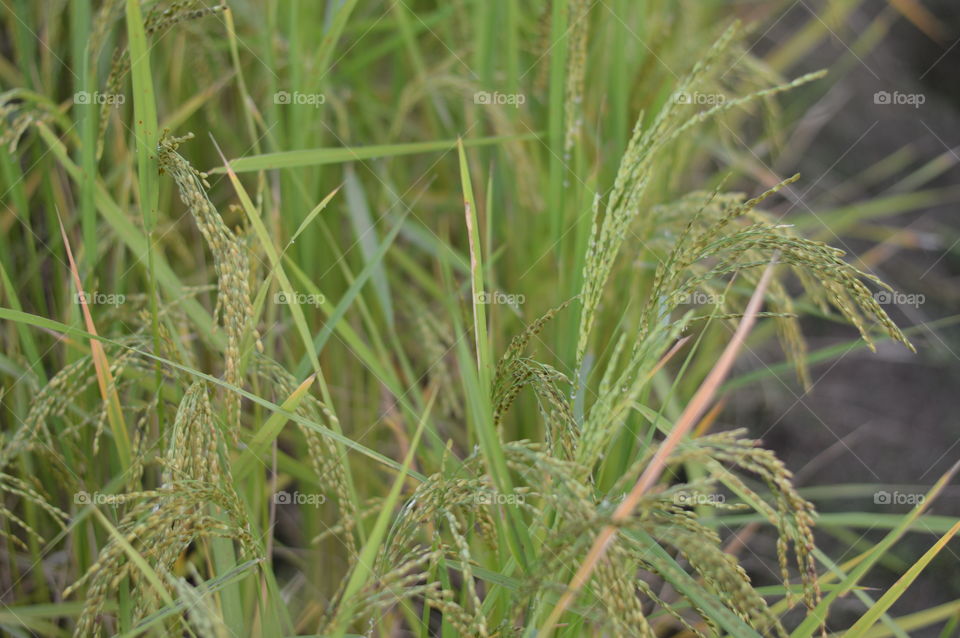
860,628
108,389
321,156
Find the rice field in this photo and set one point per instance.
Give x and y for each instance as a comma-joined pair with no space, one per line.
404,318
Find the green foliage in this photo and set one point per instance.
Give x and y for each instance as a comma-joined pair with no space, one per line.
499,300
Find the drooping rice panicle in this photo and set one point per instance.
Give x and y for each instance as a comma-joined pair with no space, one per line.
231,264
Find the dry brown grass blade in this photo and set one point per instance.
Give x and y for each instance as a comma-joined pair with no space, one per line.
920,17
688,418
108,391
708,419
670,353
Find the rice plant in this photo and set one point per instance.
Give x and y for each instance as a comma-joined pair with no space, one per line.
405,319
